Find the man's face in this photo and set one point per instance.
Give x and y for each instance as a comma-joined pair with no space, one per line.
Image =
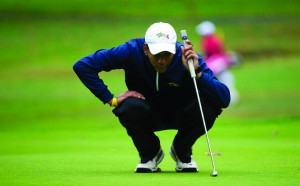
160,61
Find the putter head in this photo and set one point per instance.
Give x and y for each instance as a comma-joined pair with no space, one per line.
214,173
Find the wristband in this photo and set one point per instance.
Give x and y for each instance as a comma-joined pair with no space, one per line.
114,102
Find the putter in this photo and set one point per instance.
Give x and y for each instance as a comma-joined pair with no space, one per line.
193,75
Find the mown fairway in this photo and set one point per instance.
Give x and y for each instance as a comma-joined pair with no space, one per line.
53,131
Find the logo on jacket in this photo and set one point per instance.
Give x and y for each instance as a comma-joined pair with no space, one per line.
173,84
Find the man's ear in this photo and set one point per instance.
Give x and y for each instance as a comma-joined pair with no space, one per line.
146,49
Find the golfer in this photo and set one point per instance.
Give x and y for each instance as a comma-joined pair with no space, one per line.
160,95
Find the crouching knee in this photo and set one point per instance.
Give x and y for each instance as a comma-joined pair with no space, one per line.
132,108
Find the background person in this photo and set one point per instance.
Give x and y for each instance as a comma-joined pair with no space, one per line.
216,57
160,95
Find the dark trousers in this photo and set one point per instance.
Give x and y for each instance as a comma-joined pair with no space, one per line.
141,121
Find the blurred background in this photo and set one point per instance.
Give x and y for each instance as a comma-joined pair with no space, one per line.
45,108
40,41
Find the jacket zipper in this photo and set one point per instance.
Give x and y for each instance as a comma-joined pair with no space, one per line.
157,78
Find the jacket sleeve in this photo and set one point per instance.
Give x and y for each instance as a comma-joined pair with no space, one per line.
212,86
87,69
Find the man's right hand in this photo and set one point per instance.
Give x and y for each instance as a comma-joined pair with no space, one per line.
128,94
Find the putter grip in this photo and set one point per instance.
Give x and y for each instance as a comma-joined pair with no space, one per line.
190,61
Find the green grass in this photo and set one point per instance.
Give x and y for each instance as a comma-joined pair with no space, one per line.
271,86
154,8
53,131
254,28
94,150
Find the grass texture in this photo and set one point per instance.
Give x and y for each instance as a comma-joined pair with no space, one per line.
53,135
53,131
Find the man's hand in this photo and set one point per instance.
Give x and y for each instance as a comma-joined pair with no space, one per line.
126,95
189,53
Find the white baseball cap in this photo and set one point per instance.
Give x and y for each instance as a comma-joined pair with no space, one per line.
205,28
161,37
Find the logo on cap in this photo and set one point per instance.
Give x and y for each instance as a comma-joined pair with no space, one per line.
159,35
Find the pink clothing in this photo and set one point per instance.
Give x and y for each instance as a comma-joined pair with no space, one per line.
218,63
211,44
215,56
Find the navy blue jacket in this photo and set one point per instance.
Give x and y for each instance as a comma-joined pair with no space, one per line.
174,87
